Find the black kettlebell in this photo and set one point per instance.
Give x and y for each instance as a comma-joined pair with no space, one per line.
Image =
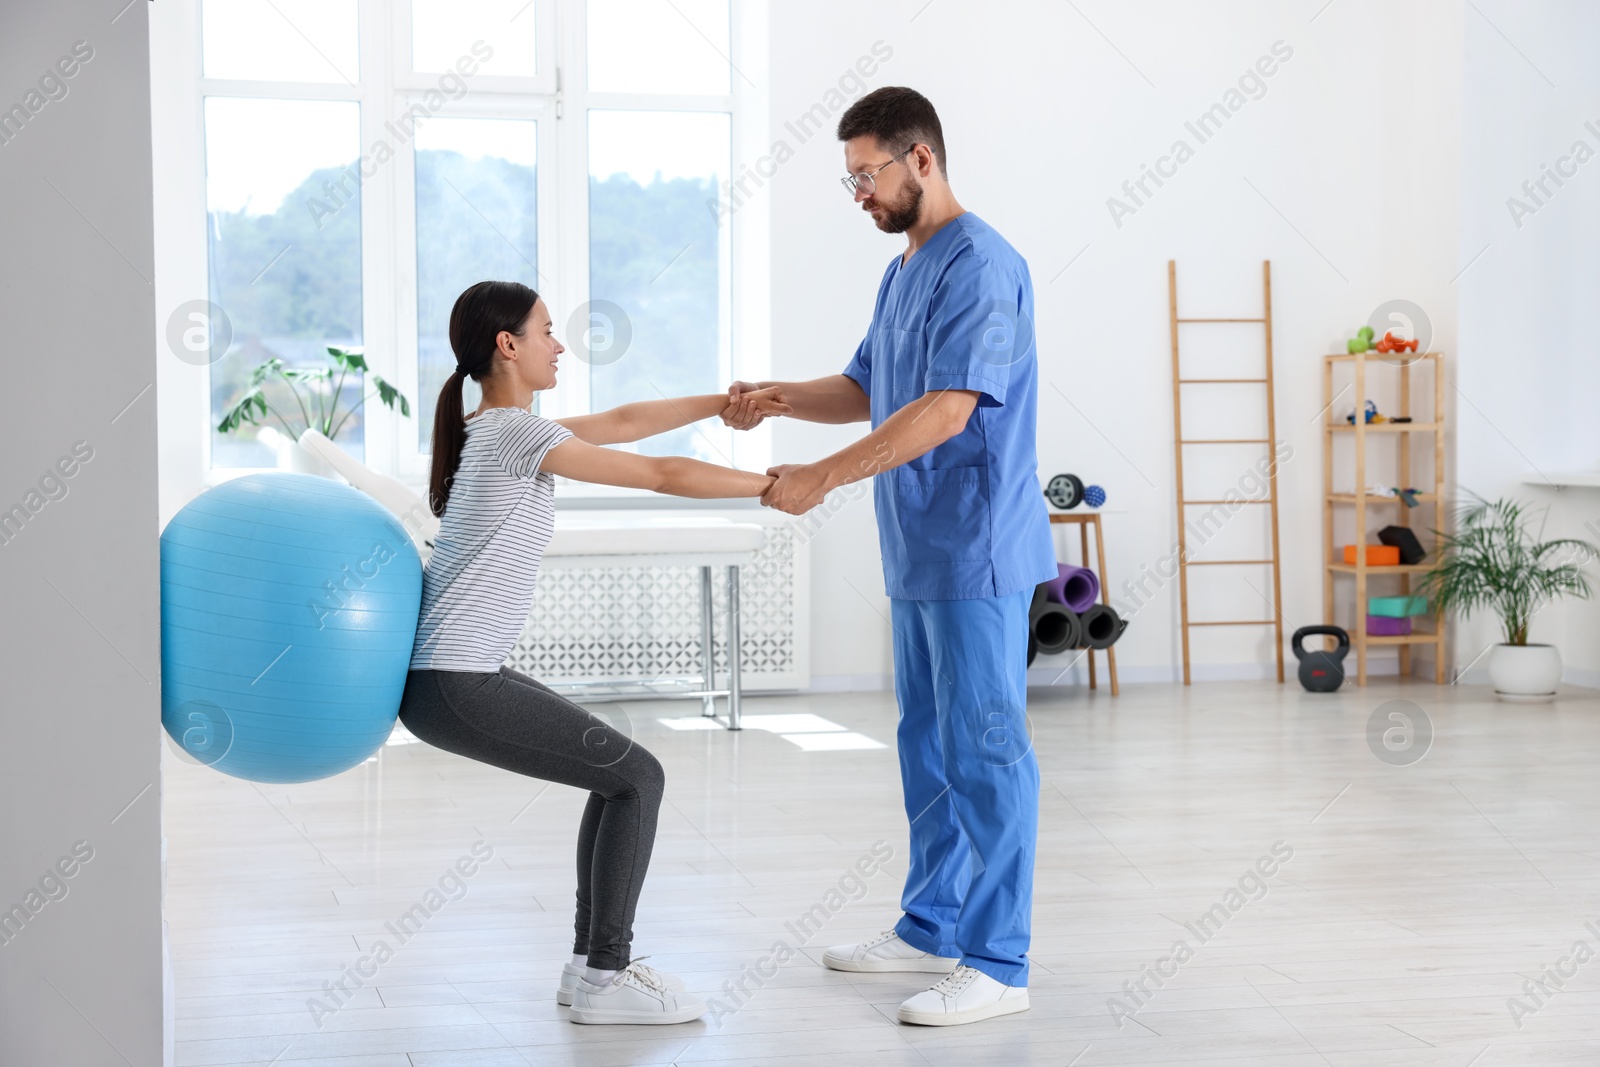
1321,672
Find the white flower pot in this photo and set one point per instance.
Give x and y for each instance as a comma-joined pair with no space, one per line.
304,461
1525,674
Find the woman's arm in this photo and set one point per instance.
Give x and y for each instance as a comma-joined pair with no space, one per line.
673,475
646,418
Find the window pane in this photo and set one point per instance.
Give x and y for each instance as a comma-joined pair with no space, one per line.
281,40
658,46
656,253
284,236
476,214
498,34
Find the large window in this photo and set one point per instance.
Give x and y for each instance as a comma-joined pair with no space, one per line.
366,160
656,262
476,195
288,277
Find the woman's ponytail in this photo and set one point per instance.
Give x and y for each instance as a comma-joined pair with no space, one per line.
449,437
481,314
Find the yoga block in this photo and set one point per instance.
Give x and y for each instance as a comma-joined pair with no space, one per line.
1405,539
1397,607
1384,626
1377,555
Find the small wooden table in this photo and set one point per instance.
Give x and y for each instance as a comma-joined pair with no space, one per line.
1083,520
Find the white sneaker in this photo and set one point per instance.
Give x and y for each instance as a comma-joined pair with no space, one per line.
571,975
966,995
886,952
635,994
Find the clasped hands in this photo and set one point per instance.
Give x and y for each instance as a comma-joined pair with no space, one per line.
799,487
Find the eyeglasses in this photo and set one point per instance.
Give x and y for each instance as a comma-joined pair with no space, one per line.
856,184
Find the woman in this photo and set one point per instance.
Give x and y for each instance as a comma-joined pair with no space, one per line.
492,485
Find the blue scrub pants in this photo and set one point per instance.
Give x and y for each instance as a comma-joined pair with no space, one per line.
971,780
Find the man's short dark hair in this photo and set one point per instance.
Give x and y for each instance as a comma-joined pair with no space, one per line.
899,118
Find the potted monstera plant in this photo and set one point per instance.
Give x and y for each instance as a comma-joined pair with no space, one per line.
315,392
1495,561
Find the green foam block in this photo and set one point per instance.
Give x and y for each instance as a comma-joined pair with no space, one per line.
1397,607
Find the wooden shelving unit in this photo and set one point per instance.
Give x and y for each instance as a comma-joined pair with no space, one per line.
1359,499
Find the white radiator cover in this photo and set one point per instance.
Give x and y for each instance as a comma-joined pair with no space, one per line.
643,623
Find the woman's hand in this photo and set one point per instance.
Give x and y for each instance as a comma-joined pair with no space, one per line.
749,405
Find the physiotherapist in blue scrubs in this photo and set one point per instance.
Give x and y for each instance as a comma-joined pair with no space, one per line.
947,376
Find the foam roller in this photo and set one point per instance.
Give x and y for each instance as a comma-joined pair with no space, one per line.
1054,627
1076,588
1101,626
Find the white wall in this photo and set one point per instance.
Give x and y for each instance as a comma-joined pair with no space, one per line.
81,981
1530,372
1350,174
1344,174
182,388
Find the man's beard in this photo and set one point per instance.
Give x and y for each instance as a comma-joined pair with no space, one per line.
898,218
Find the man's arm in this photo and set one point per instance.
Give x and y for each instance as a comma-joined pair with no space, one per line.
834,399
918,428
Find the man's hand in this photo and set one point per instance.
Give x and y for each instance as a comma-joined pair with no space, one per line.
835,399
799,488
739,415
746,408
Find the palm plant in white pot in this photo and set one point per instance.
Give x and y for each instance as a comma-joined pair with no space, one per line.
319,404
1495,562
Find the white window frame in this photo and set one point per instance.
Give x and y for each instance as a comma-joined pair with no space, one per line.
557,97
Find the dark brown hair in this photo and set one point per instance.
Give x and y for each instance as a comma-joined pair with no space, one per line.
481,314
899,118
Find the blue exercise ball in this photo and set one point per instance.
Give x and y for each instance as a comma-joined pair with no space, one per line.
288,610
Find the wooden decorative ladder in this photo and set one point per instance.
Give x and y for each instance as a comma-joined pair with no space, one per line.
1180,442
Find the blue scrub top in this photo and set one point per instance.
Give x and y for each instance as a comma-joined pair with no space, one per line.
967,519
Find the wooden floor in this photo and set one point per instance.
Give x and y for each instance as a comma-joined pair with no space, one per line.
1418,902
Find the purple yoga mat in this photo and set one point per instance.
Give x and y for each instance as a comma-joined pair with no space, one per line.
1384,626
1075,588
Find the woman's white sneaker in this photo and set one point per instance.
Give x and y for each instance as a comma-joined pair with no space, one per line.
570,976
886,952
637,995
966,995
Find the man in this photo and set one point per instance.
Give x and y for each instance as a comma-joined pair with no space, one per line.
947,376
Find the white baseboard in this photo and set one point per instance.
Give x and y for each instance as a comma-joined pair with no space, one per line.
1581,677
1046,676
1078,675
1173,674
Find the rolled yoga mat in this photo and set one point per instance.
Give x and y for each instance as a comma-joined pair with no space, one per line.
1101,626
1076,588
1054,627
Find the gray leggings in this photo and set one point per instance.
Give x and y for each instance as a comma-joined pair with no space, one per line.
510,721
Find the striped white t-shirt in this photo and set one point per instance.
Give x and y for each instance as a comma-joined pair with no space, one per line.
478,585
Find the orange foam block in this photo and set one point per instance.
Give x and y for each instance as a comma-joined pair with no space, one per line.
1377,555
